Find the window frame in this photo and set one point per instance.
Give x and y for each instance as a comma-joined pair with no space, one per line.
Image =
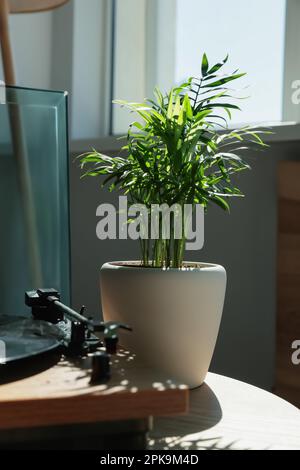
155,69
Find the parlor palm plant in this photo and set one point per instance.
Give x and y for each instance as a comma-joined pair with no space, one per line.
179,152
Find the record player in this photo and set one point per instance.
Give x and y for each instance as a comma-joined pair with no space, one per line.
55,326
66,383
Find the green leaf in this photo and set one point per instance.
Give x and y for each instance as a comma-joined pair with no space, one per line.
221,202
204,65
221,105
182,116
138,125
187,106
159,96
170,105
177,106
217,67
224,80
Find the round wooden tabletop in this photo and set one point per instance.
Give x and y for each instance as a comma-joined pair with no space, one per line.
229,414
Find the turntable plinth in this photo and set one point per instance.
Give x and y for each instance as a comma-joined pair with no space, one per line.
61,397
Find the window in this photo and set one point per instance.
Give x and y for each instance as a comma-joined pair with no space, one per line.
162,42
252,32
121,49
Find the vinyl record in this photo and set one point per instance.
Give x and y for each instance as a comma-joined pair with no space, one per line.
22,338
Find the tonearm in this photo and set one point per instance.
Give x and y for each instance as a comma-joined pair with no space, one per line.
46,305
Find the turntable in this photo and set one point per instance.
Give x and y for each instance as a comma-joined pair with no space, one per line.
65,383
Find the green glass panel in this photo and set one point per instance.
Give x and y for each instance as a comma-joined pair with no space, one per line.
34,202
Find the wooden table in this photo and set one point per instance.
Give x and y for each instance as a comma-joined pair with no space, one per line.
228,414
51,403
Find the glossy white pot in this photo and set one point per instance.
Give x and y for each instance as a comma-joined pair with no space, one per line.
175,314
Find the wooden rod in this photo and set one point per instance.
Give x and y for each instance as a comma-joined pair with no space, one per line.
6,49
34,6
20,154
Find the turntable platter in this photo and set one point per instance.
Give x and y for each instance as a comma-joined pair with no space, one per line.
22,338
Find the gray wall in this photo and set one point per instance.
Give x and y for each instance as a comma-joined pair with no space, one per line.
31,37
244,242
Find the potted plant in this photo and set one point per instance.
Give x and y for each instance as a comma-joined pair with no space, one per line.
180,153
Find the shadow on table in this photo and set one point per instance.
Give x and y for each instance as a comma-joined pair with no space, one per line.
181,432
179,443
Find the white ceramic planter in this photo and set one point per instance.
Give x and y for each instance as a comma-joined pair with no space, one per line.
175,314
